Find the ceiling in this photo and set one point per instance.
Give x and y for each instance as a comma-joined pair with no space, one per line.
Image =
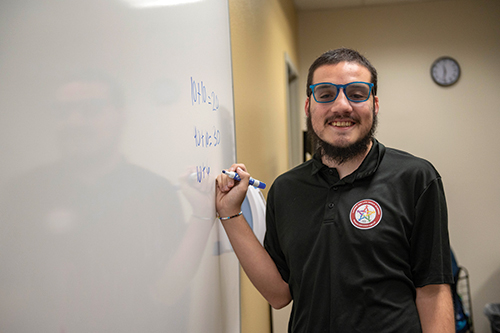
326,4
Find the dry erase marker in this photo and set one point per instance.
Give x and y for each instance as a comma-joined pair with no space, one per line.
253,182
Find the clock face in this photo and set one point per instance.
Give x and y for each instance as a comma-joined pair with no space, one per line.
445,71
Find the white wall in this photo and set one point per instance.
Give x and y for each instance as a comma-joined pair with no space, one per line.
455,128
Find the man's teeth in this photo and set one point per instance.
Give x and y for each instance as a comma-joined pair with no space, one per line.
342,123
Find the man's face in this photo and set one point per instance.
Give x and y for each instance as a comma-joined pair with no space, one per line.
89,125
342,123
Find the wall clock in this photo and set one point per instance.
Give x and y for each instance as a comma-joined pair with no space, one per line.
445,71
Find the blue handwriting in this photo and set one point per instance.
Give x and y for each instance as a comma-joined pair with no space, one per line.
204,138
202,171
199,95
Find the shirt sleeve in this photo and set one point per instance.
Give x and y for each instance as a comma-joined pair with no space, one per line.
271,239
429,243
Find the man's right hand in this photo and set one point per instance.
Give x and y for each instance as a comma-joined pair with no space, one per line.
230,193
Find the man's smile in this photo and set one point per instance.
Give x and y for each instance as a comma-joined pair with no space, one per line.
342,123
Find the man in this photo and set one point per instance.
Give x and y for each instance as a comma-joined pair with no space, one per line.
357,236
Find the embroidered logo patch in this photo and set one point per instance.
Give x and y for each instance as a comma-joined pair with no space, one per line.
366,214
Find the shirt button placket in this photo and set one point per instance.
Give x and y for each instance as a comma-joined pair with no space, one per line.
331,211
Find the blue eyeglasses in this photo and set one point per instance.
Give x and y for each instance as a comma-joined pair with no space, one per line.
326,92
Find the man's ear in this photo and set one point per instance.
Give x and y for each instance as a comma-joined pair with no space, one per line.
375,104
306,107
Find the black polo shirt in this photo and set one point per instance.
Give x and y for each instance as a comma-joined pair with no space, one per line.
353,250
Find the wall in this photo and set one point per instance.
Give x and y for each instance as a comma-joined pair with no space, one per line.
455,127
262,31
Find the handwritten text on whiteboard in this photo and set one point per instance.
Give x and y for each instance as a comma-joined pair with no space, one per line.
199,95
204,138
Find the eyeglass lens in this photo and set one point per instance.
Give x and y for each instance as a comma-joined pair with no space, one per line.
356,92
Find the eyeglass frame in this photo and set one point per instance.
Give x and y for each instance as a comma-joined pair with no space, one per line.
343,87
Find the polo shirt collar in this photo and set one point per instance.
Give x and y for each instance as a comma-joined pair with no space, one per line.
368,167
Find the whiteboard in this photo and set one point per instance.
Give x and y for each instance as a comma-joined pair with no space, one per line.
116,116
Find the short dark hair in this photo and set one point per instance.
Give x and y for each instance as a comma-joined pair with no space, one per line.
334,57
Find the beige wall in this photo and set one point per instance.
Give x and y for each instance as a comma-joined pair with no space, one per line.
262,31
456,128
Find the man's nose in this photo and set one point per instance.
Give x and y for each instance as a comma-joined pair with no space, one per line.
341,103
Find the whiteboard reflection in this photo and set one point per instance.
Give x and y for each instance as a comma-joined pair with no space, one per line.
92,242
103,227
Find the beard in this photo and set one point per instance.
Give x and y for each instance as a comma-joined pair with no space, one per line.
339,154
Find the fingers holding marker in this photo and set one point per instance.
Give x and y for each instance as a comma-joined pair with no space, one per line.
242,175
235,175
238,167
225,182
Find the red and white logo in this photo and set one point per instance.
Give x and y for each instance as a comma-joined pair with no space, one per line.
366,214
